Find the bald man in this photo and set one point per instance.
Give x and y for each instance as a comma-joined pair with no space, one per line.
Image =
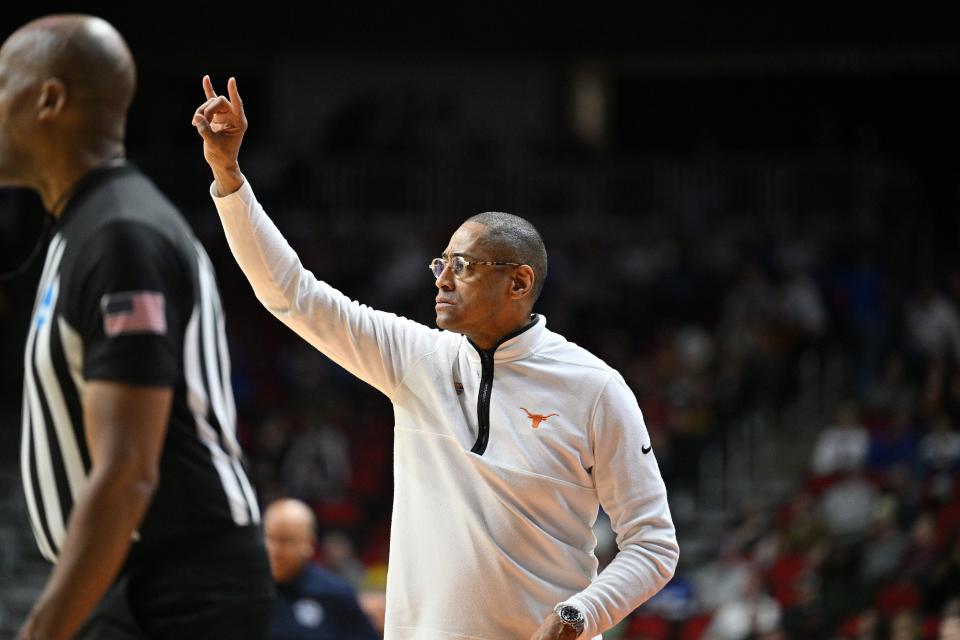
131,469
312,604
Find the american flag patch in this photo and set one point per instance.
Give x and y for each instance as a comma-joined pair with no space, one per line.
133,312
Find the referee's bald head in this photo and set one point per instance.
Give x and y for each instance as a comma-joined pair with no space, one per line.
86,52
68,78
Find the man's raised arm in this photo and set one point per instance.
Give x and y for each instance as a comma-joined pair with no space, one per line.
375,346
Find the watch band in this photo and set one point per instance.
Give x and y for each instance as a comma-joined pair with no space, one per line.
570,616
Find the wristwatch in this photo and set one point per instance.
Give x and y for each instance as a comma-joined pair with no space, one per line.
571,617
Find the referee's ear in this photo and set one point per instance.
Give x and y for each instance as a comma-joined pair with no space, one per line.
52,99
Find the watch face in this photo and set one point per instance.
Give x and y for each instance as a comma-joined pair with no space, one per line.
571,615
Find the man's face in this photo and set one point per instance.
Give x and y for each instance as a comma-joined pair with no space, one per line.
474,302
17,93
289,545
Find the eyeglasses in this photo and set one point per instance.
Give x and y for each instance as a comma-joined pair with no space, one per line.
459,264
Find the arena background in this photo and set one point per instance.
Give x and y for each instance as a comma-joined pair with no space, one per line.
751,212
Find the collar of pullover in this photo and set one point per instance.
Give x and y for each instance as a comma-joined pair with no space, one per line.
513,346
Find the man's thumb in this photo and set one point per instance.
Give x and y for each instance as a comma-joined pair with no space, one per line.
203,126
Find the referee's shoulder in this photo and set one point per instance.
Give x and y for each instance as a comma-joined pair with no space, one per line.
134,199
137,233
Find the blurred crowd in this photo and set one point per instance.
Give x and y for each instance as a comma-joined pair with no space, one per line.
867,546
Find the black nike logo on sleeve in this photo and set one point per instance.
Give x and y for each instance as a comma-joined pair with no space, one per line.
646,450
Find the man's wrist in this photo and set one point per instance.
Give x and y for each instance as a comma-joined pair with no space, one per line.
227,180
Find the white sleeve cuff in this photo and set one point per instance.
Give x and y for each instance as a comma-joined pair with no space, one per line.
244,192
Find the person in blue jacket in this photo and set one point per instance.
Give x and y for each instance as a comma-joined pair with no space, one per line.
312,603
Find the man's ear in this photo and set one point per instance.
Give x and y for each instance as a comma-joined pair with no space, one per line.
52,99
522,282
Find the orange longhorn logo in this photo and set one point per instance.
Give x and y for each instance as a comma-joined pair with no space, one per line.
536,419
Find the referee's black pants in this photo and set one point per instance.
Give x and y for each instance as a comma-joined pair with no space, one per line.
217,587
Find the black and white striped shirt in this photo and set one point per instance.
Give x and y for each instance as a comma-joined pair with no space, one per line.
127,294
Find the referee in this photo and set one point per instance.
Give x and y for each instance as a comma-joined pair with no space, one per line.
130,463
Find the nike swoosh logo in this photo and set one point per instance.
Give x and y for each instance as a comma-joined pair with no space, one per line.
646,450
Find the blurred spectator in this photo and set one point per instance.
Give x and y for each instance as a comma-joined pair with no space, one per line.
950,628
794,581
905,626
848,505
894,441
885,544
752,613
804,528
841,592
933,377
950,621
749,312
890,392
311,603
272,444
940,448
676,601
340,558
933,325
862,295
722,579
317,465
923,550
868,626
747,335
801,308
843,446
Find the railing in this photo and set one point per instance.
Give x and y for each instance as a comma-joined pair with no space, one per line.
766,450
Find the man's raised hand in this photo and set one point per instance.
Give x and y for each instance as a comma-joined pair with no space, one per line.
221,123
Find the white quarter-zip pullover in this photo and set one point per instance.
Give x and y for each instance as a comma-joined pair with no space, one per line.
501,458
